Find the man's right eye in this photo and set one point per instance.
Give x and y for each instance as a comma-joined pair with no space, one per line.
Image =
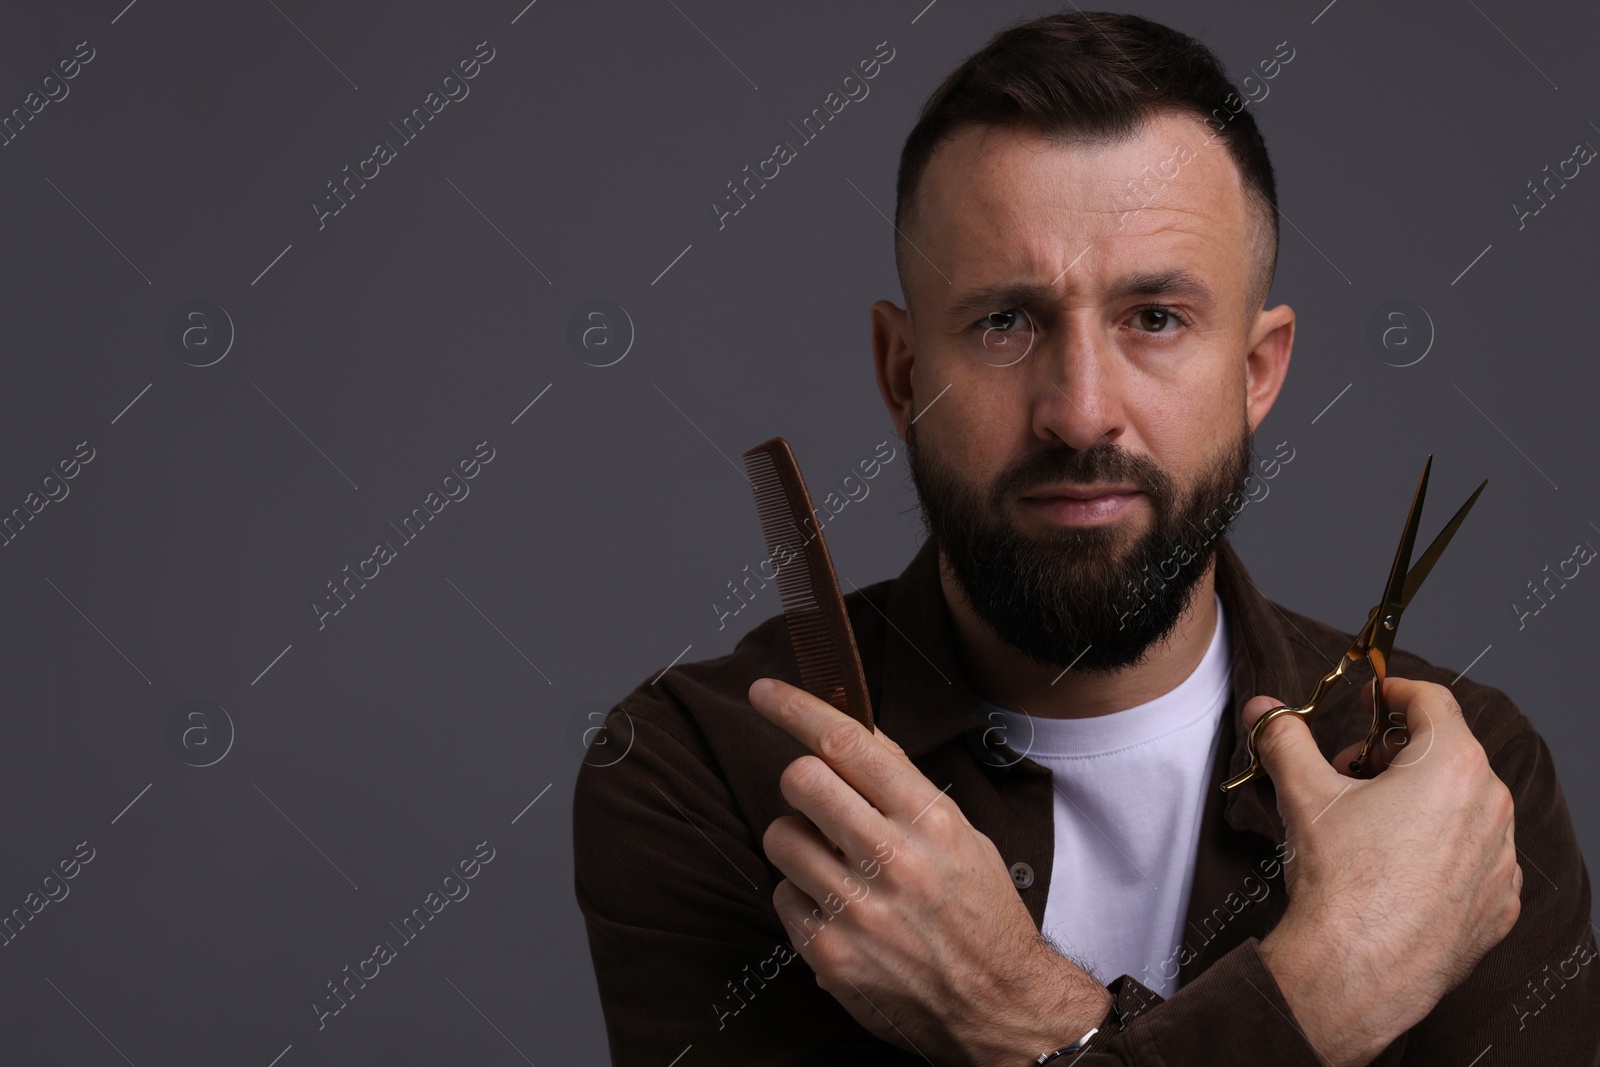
1008,336
1002,321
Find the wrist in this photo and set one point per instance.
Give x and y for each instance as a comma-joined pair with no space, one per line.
1059,1005
1340,1004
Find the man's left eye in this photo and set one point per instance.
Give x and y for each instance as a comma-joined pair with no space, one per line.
1157,319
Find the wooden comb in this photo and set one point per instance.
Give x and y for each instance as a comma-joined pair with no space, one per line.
819,628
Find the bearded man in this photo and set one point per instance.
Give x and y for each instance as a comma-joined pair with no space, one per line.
1030,857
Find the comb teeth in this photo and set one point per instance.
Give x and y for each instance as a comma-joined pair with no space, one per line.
819,628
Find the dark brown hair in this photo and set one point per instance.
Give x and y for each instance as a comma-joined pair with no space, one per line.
1094,76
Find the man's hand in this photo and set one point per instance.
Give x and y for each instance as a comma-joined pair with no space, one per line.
1398,884
905,911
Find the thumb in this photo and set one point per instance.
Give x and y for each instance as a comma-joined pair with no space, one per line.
1257,707
1289,753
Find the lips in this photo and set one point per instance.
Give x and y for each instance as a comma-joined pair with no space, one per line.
1064,508
1092,492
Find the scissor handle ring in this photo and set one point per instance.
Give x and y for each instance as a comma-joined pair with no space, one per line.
1256,766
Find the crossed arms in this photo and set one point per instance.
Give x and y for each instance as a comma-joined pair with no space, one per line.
923,946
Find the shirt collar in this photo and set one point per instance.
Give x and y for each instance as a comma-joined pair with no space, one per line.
926,701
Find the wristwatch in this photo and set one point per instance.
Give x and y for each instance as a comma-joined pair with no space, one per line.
1077,1046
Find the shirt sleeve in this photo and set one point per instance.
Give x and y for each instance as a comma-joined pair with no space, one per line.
676,895
1232,1012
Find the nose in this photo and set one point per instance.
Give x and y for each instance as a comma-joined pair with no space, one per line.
1077,389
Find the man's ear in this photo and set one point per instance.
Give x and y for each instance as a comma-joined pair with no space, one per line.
1271,341
893,357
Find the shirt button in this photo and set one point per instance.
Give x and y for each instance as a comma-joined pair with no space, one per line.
1021,875
988,744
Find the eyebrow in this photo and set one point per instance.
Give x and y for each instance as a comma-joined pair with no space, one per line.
1176,282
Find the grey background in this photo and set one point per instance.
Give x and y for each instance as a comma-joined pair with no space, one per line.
373,354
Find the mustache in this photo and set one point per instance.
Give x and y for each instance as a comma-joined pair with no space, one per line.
1101,463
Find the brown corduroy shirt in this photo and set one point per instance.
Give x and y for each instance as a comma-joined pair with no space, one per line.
695,967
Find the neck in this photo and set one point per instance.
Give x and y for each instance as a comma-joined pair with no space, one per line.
1004,676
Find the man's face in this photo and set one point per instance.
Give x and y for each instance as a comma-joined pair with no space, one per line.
1036,368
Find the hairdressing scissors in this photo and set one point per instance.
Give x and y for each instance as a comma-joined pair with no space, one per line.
1375,641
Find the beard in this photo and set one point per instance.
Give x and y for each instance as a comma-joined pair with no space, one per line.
1071,598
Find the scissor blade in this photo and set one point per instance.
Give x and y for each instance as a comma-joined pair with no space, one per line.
1377,637
1435,550
1394,588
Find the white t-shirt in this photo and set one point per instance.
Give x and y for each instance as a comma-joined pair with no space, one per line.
1130,788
